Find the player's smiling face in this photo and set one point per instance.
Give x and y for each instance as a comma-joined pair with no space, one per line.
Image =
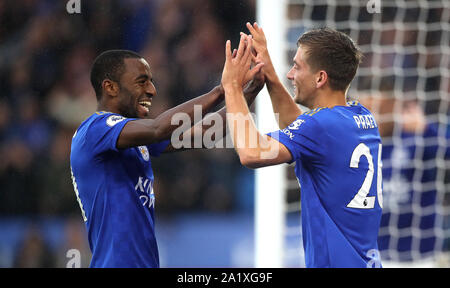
136,89
303,79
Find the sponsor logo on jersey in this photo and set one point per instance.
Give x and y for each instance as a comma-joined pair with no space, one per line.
293,126
144,188
114,119
288,133
144,152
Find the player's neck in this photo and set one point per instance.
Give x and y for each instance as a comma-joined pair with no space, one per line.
330,98
102,106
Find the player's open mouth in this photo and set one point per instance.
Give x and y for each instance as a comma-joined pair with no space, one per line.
146,105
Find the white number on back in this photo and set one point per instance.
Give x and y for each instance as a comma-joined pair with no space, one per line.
75,187
361,200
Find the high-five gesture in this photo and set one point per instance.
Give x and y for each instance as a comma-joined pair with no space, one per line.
253,148
259,45
282,102
237,70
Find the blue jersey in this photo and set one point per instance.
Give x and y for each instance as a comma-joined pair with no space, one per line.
114,188
337,154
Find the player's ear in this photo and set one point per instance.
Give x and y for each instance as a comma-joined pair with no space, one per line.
321,78
110,87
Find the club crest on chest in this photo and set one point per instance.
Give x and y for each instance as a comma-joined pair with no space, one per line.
144,152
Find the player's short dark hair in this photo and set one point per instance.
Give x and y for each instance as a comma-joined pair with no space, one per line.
109,65
334,52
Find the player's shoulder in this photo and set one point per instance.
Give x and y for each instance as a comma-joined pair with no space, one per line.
333,116
318,116
353,103
356,103
358,107
310,119
351,107
314,112
108,118
102,119
305,122
97,122
327,116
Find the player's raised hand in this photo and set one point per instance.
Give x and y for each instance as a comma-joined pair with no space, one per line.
259,43
237,71
255,84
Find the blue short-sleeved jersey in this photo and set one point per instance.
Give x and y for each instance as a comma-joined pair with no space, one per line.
337,154
114,188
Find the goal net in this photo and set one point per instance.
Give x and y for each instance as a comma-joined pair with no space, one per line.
404,80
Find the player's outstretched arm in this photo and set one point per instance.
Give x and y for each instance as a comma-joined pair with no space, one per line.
282,101
210,122
148,131
254,150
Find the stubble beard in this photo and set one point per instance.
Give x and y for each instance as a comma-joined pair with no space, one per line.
128,104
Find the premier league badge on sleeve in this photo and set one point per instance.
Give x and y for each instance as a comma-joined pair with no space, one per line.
114,119
144,152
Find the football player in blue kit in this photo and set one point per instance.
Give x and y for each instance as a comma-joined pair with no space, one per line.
110,158
336,146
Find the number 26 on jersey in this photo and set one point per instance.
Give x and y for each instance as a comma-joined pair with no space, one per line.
361,200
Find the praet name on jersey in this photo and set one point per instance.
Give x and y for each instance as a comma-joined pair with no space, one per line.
365,121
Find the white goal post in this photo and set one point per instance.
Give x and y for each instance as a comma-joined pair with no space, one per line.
270,181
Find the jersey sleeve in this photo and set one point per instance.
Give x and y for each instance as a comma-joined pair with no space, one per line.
157,148
303,138
105,130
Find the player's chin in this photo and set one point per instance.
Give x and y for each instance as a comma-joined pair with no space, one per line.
298,99
142,112
144,116
302,101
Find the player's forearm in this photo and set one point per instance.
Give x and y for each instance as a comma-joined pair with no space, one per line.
148,131
282,102
215,123
206,102
246,138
